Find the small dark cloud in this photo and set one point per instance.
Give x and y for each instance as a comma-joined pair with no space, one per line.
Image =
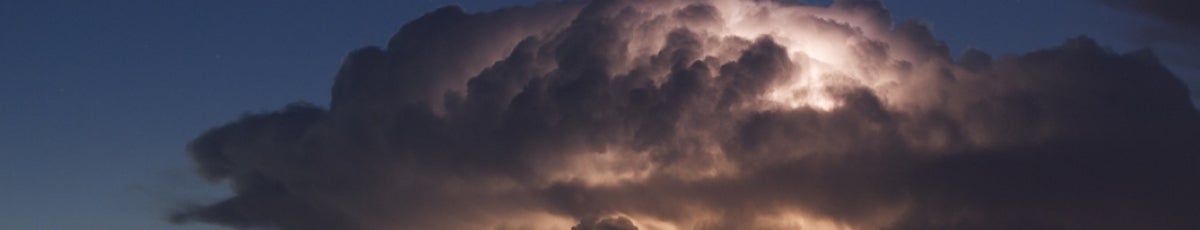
1177,13
1175,36
618,223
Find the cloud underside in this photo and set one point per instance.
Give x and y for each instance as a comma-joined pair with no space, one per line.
693,114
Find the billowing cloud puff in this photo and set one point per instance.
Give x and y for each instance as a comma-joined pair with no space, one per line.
699,114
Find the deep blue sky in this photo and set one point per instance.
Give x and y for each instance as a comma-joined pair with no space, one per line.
99,98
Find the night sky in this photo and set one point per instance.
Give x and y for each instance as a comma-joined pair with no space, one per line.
101,98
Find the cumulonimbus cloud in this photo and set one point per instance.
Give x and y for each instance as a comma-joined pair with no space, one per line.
712,114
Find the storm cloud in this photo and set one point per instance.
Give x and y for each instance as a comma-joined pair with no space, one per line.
696,114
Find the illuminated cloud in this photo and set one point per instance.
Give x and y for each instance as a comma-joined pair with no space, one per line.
695,114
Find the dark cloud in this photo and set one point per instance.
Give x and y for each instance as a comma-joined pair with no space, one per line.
1181,25
1179,13
713,115
618,223
1175,35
